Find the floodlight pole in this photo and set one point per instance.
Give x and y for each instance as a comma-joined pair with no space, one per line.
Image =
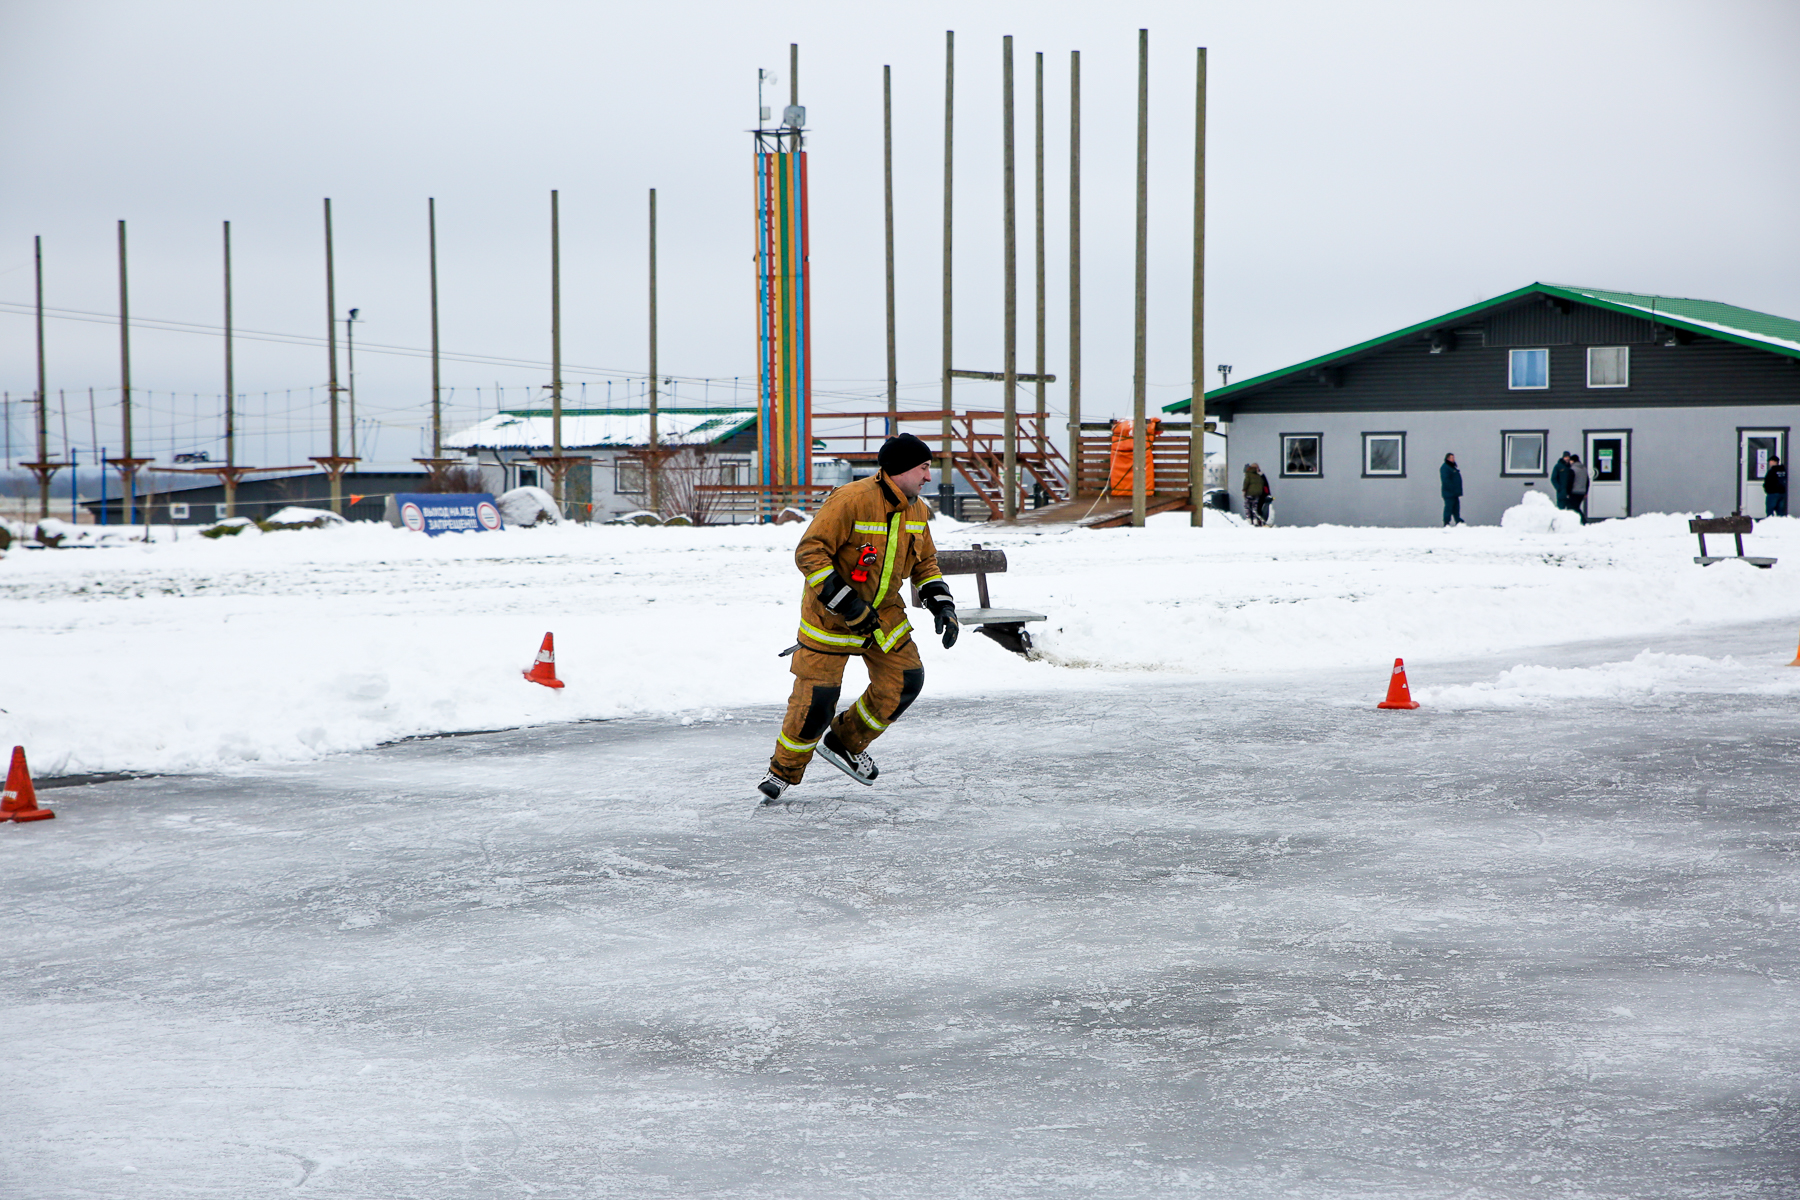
887,164
1009,469
1039,367
229,480
946,476
655,463
1139,435
437,416
556,446
1197,405
1074,272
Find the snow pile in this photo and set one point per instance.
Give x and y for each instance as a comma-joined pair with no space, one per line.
524,507
296,517
1536,513
1651,673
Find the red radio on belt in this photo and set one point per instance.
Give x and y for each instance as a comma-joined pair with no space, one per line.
865,559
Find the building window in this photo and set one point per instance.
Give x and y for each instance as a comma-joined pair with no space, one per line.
1528,369
1300,454
1384,455
178,512
1522,451
628,477
528,477
1609,366
219,513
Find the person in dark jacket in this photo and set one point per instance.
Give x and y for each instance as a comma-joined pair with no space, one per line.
1775,489
1257,494
1578,486
1560,475
1450,477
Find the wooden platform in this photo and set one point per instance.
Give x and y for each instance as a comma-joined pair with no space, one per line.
1106,513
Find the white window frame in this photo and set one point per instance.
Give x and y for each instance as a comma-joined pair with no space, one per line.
1624,360
1512,357
624,466
178,510
1399,472
219,513
1318,470
1506,444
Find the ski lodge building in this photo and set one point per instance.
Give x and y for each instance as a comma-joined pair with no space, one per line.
1674,405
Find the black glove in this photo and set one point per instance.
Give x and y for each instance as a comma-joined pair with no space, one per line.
842,599
936,596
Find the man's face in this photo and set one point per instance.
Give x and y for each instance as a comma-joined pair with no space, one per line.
1451,460
912,482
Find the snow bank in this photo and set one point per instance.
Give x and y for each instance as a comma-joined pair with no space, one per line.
1650,673
528,506
1536,513
204,654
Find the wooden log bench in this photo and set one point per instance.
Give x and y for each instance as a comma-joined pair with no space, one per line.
1004,625
1737,527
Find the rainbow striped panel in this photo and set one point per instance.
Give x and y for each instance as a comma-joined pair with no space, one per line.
784,320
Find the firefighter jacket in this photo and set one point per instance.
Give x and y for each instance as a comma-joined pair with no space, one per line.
870,512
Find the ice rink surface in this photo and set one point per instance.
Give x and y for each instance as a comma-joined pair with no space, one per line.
1242,938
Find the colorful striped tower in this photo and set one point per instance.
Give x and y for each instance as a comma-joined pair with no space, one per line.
784,316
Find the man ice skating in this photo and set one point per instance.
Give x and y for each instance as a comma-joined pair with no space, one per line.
866,540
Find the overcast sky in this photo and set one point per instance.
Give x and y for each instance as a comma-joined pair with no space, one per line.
1370,165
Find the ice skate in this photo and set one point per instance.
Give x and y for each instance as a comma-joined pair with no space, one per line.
859,767
772,787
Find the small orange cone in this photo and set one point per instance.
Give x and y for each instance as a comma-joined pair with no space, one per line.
1399,695
544,669
19,802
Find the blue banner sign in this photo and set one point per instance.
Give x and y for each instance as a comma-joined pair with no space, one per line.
471,512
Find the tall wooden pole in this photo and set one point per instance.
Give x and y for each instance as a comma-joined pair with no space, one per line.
1040,365
1074,272
556,448
229,479
887,164
1139,440
946,475
43,415
1197,406
130,496
437,415
655,463
335,469
1009,471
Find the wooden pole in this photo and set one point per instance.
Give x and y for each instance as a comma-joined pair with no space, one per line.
437,415
335,470
946,476
1197,406
229,479
1040,367
1139,441
1009,471
887,163
556,449
654,463
1074,272
130,496
43,417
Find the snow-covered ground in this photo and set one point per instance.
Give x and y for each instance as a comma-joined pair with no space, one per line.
201,654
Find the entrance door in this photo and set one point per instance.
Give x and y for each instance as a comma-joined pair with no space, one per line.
1609,473
1755,448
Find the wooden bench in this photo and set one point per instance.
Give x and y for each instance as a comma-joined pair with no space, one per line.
1737,527
1004,625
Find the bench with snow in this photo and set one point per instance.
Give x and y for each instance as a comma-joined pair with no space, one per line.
1737,527
1004,625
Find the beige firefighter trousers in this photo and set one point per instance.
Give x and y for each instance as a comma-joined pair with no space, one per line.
895,680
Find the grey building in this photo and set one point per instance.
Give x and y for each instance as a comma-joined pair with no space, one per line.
1675,405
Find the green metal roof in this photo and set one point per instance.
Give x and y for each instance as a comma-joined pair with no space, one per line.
1724,321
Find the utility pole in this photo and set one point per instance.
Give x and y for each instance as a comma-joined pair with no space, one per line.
1074,271
556,446
946,476
230,476
1038,369
350,368
335,464
655,463
1009,470
887,164
42,468
127,464
437,416
1197,405
1140,444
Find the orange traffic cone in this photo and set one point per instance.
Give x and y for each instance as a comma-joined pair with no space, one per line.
544,669
1399,695
19,802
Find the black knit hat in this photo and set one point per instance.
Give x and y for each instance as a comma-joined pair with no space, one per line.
901,454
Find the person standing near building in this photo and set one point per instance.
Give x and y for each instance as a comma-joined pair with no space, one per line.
1450,483
865,541
1257,494
1559,479
1775,489
1578,486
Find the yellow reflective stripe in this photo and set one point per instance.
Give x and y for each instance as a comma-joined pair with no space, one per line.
933,579
891,638
835,639
796,747
915,527
818,575
863,712
887,563
870,527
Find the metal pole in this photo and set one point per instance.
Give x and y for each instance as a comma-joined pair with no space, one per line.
130,496
437,416
1139,441
793,72
350,370
230,479
1009,468
1040,366
331,385
887,163
655,463
43,437
1074,272
946,476
1197,406
556,474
